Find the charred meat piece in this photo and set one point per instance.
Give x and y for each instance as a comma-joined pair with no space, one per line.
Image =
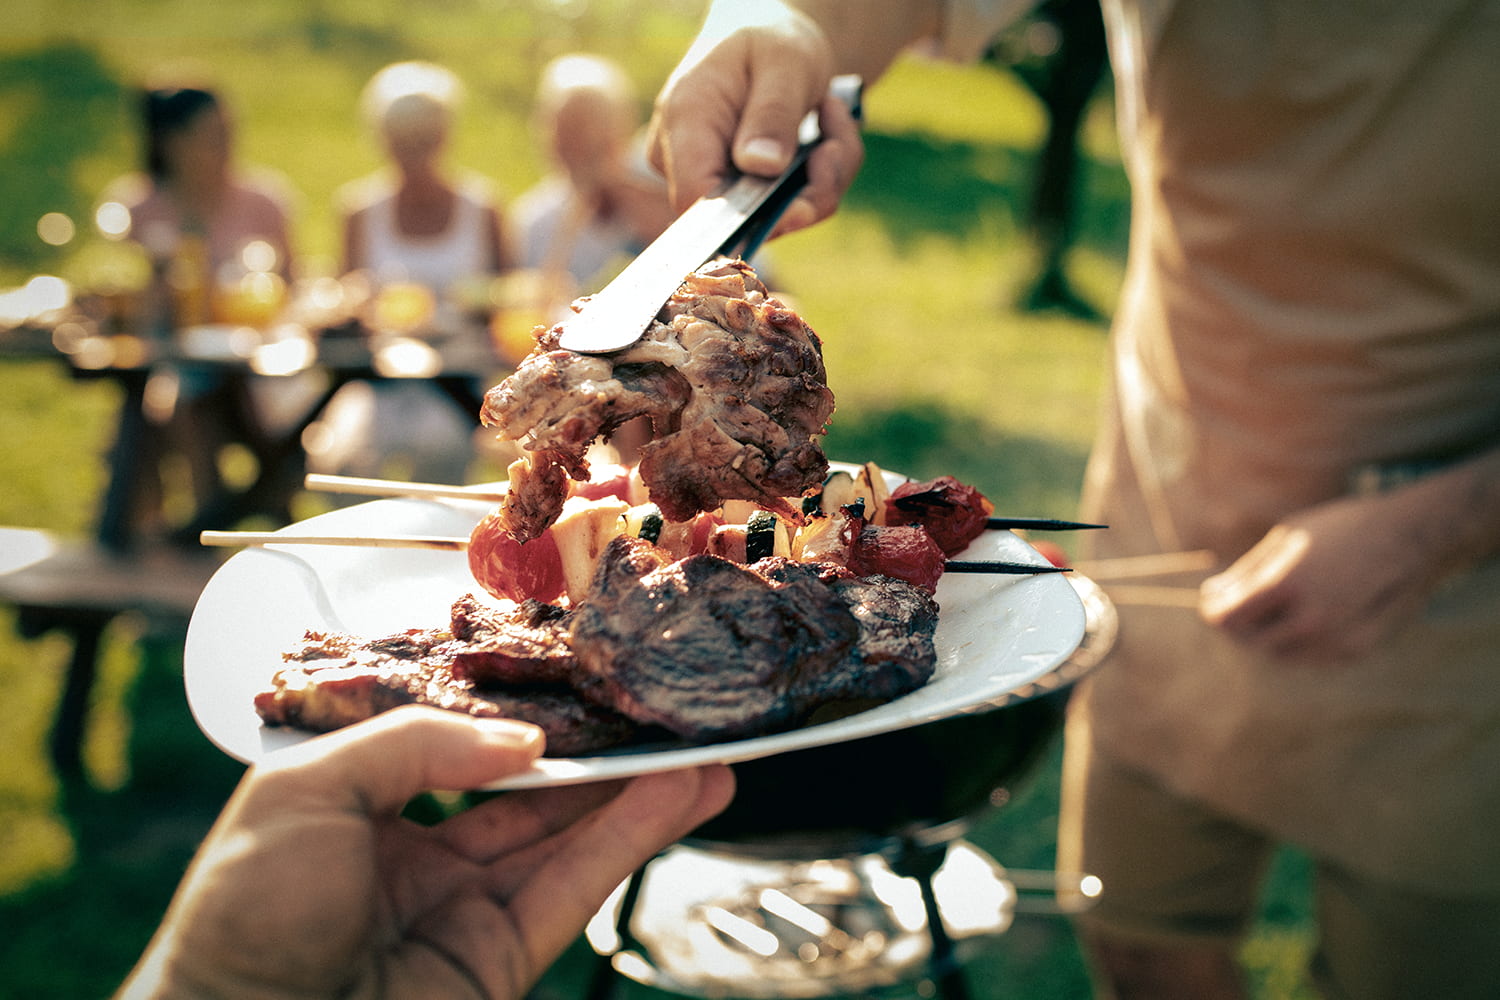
897,622
732,380
336,680
538,486
711,650
526,646
703,648
561,401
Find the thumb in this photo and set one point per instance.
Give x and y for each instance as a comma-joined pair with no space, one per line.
380,764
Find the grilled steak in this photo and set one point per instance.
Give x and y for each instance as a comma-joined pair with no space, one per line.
897,621
702,648
526,646
711,650
732,381
335,680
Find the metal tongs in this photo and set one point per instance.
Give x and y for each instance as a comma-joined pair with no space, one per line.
736,220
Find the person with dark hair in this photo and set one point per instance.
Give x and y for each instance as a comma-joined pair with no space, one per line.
206,223
193,190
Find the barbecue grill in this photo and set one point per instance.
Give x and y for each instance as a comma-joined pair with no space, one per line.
844,869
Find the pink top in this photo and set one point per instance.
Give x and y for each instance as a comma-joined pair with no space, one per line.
255,207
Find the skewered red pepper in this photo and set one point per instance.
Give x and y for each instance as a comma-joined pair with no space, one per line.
953,514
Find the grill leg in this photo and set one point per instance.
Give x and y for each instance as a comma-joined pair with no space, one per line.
85,628
604,981
922,863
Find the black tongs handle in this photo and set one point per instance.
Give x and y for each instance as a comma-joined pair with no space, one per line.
758,225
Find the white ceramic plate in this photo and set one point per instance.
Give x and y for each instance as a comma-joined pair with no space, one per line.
996,635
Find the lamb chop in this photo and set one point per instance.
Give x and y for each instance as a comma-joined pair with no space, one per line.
732,381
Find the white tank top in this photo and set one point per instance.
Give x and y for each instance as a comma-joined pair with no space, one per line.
461,251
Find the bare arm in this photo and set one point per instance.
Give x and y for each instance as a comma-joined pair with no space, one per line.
496,247
353,254
867,37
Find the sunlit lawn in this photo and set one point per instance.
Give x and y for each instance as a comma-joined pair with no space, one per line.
910,287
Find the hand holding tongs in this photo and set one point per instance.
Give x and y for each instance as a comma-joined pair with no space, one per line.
734,221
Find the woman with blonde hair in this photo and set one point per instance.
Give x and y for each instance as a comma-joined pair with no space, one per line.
421,230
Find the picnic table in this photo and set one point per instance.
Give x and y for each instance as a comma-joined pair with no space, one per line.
78,586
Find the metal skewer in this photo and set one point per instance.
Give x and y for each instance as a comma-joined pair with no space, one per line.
1038,524
1001,566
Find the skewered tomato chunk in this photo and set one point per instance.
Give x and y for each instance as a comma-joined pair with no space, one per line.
907,553
513,570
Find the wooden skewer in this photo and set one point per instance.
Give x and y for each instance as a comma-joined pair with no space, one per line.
454,544
394,488
1137,567
1160,597
225,539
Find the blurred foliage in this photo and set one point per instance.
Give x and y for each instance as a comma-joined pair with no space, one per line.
60,103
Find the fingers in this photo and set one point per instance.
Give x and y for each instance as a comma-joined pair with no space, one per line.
1259,604
512,821
831,168
1230,602
1252,593
737,101
690,146
775,105
560,895
1250,603
377,766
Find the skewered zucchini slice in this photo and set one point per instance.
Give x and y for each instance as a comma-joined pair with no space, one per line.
645,522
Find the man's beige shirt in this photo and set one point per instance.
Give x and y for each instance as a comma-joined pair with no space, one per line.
1313,290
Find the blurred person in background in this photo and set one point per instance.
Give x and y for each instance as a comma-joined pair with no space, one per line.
1305,365
192,188
207,223
601,203
428,239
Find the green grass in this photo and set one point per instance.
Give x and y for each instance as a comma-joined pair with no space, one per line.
911,288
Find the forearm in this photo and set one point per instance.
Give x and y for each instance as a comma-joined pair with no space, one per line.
867,36
1455,513
864,37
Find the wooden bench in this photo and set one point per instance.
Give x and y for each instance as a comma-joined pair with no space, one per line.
78,588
